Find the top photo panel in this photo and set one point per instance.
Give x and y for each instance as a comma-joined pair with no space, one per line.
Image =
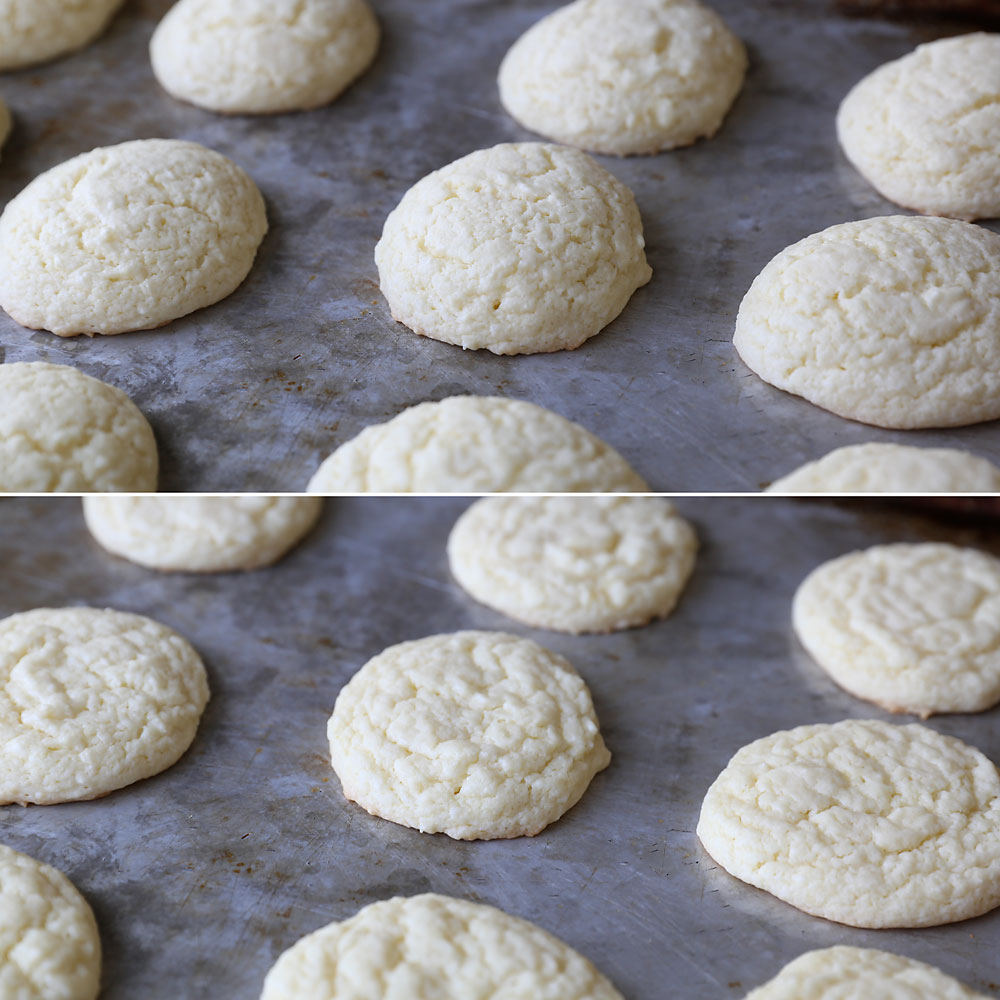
481,246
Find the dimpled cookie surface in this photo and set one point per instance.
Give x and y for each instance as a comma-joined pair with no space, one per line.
35,31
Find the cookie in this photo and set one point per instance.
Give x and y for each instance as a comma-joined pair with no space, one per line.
128,237
843,972
589,76
63,431
574,564
35,31
924,130
479,735
201,534
476,444
433,946
892,468
890,321
861,822
92,701
519,249
912,628
48,935
263,56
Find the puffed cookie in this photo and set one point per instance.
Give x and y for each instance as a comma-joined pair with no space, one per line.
35,31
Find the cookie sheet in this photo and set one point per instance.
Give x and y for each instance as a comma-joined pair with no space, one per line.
254,392
202,875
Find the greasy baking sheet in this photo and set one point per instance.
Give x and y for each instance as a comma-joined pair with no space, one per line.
254,392
201,876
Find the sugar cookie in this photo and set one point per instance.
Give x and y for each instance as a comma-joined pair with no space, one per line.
35,31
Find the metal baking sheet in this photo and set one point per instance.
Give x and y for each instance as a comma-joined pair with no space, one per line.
254,392
201,876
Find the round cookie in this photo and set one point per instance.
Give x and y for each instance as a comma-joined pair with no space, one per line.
263,56
912,628
892,468
890,321
519,249
48,936
35,31
128,237
861,822
433,946
574,564
63,431
92,701
663,76
476,444
924,130
843,972
479,735
200,534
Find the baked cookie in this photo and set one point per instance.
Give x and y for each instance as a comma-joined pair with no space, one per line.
890,321
519,249
128,237
479,735
574,564
433,946
912,628
201,534
587,75
892,468
476,444
63,431
263,56
843,972
48,936
35,31
924,130
861,822
92,701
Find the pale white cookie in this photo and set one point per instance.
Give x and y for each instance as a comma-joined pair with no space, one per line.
519,249
476,444
913,628
611,79
49,945
63,431
91,701
263,56
574,564
479,735
861,822
436,947
842,973
35,31
200,534
924,130
890,321
892,468
128,237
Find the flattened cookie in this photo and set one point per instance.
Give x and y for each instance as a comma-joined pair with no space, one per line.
263,56
890,321
652,76
519,249
35,31
92,701
574,564
476,444
478,735
433,946
200,534
128,237
861,822
48,935
913,628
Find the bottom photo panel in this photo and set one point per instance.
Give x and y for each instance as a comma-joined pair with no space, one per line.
513,748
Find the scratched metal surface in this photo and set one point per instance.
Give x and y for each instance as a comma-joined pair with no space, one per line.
253,393
201,876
